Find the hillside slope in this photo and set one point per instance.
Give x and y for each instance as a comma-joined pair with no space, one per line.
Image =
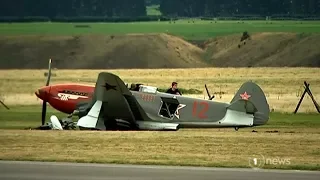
265,49
99,51
158,51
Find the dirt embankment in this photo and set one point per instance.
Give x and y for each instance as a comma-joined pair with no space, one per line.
265,49
99,51
158,51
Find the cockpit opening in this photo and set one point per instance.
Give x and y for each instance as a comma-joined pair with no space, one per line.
135,87
168,107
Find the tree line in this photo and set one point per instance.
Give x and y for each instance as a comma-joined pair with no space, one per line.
113,9
194,8
72,8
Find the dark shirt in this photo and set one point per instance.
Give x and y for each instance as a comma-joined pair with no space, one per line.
170,91
138,87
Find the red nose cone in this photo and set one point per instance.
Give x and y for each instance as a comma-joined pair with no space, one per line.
43,93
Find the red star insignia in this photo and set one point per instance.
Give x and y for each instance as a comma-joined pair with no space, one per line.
245,96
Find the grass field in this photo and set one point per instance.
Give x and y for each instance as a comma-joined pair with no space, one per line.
282,86
199,30
28,116
285,137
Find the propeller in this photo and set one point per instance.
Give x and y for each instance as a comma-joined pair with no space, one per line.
210,97
44,104
44,111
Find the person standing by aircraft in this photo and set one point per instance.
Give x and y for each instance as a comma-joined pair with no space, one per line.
174,89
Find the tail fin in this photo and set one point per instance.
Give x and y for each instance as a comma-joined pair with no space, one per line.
251,99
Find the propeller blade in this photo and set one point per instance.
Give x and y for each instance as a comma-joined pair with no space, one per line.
44,104
44,111
49,73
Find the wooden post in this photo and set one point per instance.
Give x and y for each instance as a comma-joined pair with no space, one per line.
307,90
304,93
313,100
4,105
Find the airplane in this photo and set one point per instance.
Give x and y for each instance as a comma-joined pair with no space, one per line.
111,105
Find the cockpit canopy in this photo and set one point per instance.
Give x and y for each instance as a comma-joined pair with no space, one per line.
148,89
143,88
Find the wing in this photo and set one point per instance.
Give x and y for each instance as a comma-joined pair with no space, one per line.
90,120
118,105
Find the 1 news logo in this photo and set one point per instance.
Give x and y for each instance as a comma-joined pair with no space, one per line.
257,161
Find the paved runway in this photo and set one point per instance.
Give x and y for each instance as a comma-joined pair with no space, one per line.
53,171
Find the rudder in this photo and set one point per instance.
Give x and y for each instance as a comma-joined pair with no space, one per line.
251,98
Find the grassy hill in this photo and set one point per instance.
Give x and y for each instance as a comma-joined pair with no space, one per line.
99,51
159,44
158,51
266,50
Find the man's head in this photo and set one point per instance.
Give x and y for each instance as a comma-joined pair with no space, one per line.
174,85
133,86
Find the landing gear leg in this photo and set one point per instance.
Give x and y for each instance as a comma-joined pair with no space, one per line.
236,128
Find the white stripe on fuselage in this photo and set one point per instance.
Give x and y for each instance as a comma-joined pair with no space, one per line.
66,97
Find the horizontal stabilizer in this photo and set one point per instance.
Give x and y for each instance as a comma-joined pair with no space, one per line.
237,118
90,120
56,125
147,125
